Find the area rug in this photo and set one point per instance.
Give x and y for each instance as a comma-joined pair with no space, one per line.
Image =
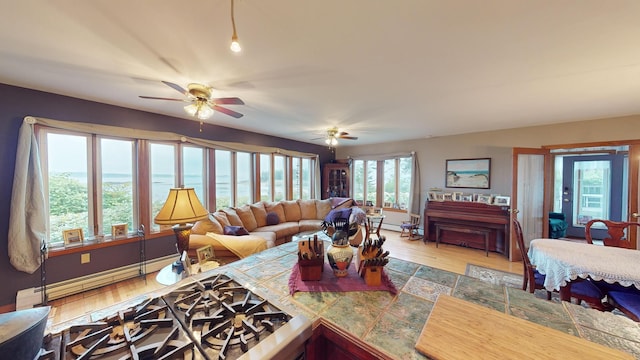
329,282
493,276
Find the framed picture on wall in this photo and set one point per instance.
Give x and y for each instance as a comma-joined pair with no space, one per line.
468,173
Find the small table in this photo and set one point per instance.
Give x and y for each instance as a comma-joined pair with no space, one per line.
169,276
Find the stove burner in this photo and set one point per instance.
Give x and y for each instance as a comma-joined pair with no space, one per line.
124,336
224,316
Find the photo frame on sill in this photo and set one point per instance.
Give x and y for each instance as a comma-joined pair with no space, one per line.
119,231
468,173
72,237
205,254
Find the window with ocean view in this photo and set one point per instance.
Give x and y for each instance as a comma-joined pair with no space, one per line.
75,165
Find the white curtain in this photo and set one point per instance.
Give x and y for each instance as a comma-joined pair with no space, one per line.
27,221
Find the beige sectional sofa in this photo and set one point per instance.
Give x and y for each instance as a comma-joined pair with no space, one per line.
268,224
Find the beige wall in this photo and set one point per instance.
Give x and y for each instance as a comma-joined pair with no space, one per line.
497,145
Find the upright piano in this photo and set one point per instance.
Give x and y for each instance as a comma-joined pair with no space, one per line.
469,224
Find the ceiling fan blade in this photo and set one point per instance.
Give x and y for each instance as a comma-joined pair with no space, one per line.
227,101
161,98
348,137
235,114
176,87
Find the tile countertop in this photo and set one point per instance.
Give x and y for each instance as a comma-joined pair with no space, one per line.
392,323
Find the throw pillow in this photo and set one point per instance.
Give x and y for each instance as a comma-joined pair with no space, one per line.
235,230
272,218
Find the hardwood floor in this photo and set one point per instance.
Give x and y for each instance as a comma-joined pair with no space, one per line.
447,257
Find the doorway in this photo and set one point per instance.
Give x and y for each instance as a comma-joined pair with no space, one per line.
591,186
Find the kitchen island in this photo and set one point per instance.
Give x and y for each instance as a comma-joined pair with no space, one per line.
383,325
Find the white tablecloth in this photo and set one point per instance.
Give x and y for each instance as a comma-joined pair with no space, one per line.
562,261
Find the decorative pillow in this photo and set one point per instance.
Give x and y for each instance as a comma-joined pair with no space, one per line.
291,210
206,225
259,213
307,209
222,218
235,230
322,208
232,216
277,208
247,218
272,218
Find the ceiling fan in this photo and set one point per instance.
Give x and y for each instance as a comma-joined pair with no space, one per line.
202,105
333,134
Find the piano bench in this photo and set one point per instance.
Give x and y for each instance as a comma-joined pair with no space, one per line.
466,230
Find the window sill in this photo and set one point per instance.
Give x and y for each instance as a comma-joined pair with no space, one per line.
88,245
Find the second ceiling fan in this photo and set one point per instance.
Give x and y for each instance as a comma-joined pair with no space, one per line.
202,105
333,134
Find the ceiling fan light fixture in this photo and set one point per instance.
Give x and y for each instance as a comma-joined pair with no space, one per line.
199,109
235,45
331,141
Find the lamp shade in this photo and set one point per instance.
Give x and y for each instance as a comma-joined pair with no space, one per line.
182,206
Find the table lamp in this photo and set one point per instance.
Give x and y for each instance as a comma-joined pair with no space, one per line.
181,208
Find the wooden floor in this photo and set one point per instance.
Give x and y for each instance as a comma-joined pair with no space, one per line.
447,257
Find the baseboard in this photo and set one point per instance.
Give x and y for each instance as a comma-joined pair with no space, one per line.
29,297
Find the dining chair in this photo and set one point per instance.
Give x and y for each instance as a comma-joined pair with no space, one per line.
531,278
581,289
410,227
628,302
616,230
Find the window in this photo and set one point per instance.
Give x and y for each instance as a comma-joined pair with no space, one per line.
68,183
279,178
163,175
265,177
223,179
391,178
193,171
92,181
243,179
116,176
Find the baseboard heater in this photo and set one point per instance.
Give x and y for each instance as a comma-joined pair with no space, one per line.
27,298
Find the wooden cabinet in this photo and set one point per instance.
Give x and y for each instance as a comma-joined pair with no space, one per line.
331,342
470,224
335,180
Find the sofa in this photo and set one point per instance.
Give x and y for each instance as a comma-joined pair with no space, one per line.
235,233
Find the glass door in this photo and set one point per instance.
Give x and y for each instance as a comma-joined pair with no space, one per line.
593,187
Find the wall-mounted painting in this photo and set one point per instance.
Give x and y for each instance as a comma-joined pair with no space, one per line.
468,173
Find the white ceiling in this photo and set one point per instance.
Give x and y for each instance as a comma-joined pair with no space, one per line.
382,70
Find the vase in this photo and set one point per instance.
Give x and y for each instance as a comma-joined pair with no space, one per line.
339,257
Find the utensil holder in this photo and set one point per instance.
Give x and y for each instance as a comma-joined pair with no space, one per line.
373,275
311,270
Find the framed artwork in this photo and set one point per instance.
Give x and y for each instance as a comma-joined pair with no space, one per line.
485,199
72,237
468,173
387,204
205,254
501,200
119,231
433,196
447,196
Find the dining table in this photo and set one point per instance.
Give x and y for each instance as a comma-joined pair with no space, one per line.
564,261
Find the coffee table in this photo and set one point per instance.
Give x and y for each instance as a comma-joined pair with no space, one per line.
309,235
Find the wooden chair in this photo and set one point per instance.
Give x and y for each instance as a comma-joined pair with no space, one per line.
410,227
531,278
616,231
581,289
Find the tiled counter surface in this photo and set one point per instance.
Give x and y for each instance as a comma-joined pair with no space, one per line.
392,323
